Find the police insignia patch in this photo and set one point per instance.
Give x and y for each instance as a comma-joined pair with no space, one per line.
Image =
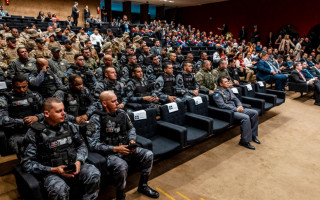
216,95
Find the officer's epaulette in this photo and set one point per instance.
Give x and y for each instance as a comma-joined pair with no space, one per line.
37,126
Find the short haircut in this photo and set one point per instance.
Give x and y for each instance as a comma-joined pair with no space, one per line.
19,77
156,41
76,56
296,64
220,79
136,67
263,54
83,49
105,69
230,60
202,53
86,42
185,63
47,104
73,77
131,56
221,61
20,48
280,57
166,65
205,62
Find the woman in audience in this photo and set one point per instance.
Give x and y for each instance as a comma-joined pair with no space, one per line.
248,73
248,62
285,44
41,16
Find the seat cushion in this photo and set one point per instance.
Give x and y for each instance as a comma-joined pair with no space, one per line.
219,125
194,134
268,106
279,101
258,110
162,145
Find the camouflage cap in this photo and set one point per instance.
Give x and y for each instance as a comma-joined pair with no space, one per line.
137,38
72,35
33,33
55,49
58,30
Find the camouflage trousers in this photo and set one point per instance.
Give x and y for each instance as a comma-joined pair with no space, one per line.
141,159
88,181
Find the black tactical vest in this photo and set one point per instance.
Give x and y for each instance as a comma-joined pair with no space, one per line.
157,70
177,68
169,84
48,86
189,81
56,147
142,88
114,130
114,87
22,106
76,103
85,74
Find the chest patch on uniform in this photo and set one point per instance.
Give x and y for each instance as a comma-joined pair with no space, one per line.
60,142
23,102
112,127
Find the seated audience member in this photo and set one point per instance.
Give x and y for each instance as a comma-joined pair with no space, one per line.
235,72
315,70
18,109
305,71
114,132
225,99
68,52
205,79
59,37
203,56
154,70
49,161
222,71
247,72
88,60
57,64
313,84
268,72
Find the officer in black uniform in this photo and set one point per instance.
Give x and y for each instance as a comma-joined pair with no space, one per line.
114,132
140,92
86,74
165,85
44,81
76,98
124,57
190,58
154,70
56,153
180,57
110,83
203,56
177,69
145,58
19,108
126,70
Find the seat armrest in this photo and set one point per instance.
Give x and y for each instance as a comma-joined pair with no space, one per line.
254,102
246,105
145,142
172,131
270,98
199,121
204,91
280,94
222,114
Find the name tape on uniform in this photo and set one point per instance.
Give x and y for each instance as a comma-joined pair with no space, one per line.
172,107
3,85
139,115
234,90
197,100
249,86
260,83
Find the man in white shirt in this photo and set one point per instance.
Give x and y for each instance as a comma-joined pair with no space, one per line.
96,39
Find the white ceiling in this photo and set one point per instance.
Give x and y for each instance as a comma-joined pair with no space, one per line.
176,3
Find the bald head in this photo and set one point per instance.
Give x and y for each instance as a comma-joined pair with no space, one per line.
107,60
41,63
109,101
106,95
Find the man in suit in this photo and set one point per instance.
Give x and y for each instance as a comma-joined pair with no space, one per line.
75,13
313,84
315,70
86,13
3,12
269,73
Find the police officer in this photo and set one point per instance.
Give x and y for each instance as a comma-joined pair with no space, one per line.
110,83
190,58
139,91
94,54
44,80
107,61
40,51
221,70
180,57
126,70
186,82
114,132
177,69
59,37
225,99
124,57
68,52
83,36
145,58
86,74
30,43
57,64
234,72
23,64
165,85
18,109
203,56
52,42
51,146
9,53
154,70
75,44
156,49
89,62
76,99
205,79
20,40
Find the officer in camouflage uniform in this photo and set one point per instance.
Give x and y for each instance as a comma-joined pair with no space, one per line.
21,41
68,52
10,52
77,99
221,70
44,80
205,79
89,61
51,146
165,86
136,42
108,51
83,36
110,83
114,132
139,92
75,44
186,82
6,32
25,32
94,54
225,99
83,71
154,70
18,109
23,64
52,42
40,51
30,43
58,65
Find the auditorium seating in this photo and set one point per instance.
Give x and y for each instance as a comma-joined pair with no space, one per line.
254,103
260,87
297,87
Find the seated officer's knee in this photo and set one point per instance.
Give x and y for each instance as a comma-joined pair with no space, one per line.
119,166
89,174
56,187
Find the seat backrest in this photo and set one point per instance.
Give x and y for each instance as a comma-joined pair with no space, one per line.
176,117
211,100
198,105
237,91
248,90
145,127
260,86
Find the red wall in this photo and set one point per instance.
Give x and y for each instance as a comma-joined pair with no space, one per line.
269,15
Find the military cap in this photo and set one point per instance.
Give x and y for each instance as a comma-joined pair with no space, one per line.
52,34
11,38
72,35
39,40
55,49
33,33
68,41
58,30
137,38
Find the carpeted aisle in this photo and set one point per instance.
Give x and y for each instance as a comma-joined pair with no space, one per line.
285,166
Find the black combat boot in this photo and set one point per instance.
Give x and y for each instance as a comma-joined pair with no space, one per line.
145,189
121,195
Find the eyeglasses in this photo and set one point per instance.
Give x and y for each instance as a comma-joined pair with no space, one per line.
80,59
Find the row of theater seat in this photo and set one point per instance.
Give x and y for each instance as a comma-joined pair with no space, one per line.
181,125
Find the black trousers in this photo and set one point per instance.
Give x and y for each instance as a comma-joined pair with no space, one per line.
316,88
